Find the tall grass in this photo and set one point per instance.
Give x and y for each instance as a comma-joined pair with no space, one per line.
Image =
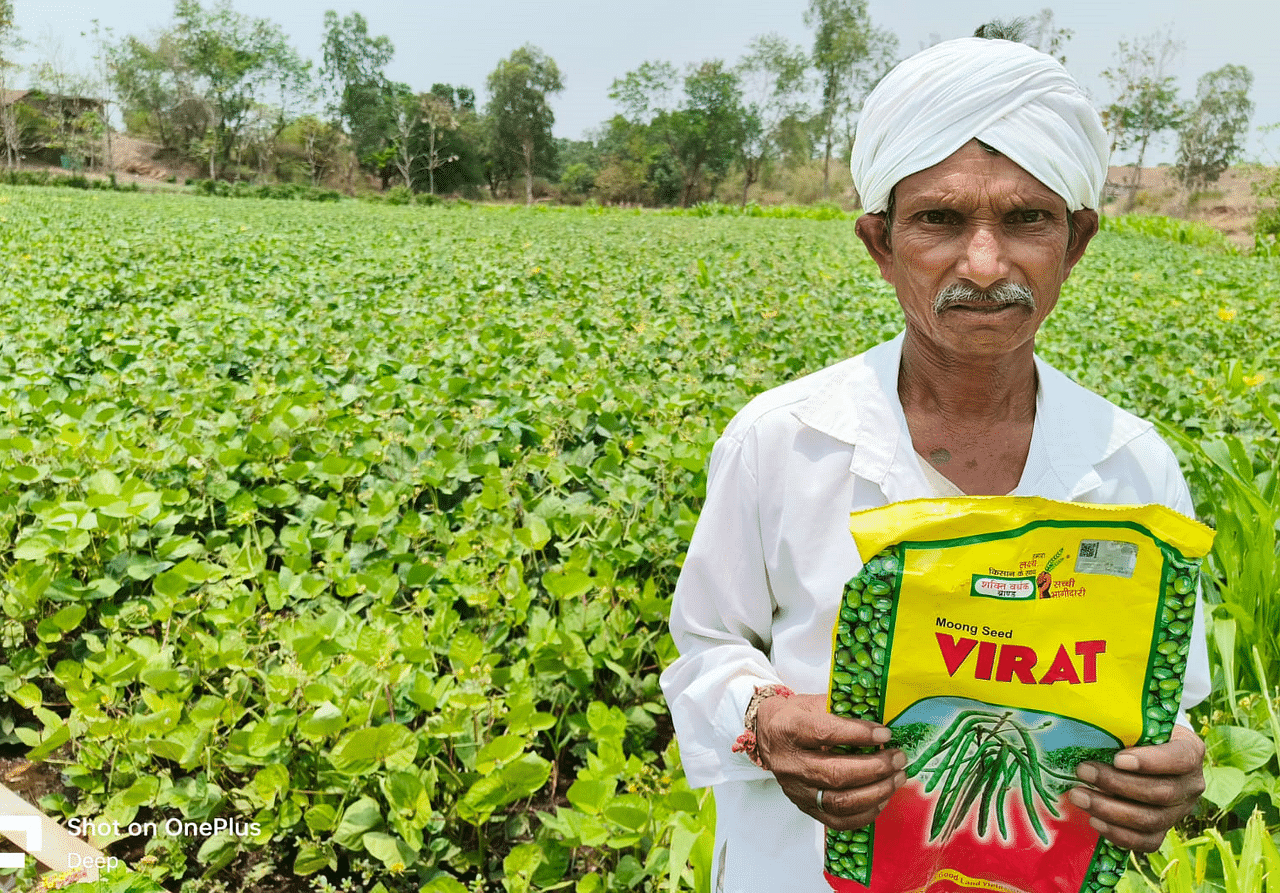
1239,494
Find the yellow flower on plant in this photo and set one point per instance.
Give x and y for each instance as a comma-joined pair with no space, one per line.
1254,380
1226,314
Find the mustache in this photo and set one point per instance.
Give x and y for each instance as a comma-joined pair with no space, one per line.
1007,293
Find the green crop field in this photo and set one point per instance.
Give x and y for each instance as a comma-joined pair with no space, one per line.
355,526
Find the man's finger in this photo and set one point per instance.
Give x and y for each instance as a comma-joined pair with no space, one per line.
1182,753
1161,775
825,730
836,772
801,723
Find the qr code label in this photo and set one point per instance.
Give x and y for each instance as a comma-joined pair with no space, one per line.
1110,557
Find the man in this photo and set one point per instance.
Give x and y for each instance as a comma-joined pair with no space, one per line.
981,165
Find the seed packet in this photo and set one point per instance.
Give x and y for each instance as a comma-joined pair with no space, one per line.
1003,640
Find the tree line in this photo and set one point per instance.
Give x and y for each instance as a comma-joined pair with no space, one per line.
227,91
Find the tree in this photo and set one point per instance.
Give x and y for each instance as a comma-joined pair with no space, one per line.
647,91
407,115
1045,35
705,133
882,55
438,119
233,60
839,42
1213,132
774,78
205,80
145,78
457,150
635,164
521,115
662,149
1146,103
102,87
361,96
10,43
319,142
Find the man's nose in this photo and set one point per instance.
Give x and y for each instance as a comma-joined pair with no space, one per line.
985,261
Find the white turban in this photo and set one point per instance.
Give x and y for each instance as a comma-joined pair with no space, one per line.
1015,99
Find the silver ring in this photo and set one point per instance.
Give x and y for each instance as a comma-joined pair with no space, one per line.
820,807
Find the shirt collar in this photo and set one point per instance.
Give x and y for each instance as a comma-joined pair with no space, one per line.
858,405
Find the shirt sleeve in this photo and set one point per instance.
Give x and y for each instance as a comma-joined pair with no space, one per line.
721,616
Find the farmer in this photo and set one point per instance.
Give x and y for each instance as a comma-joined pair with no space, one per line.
981,165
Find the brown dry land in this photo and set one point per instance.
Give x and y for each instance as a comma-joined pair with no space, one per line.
1230,205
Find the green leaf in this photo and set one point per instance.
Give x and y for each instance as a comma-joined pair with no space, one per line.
514,781
358,818
33,548
590,795
567,584
534,534
1238,747
1223,785
359,751
50,739
217,852
143,567
320,818
29,696
466,650
324,721
142,792
497,751
405,792
391,851
313,857
629,811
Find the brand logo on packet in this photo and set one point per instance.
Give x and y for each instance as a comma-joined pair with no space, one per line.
1017,588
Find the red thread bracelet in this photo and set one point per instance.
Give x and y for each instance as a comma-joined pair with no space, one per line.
746,742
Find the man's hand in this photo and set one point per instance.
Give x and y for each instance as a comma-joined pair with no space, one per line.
1146,792
794,737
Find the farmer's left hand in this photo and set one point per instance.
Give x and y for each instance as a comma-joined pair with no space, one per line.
1145,793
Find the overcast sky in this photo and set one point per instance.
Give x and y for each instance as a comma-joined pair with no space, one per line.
595,41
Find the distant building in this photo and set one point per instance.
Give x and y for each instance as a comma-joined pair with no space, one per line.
52,127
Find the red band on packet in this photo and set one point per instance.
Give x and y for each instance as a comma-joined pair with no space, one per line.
1004,640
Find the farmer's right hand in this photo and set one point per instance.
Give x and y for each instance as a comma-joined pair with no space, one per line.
794,737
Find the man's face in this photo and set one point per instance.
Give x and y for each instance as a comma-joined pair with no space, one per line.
978,220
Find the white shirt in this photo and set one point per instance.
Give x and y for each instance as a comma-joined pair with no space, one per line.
762,581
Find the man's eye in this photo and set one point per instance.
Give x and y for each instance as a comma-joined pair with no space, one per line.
936,217
1028,216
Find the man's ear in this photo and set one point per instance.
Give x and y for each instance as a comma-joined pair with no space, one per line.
874,233
1084,225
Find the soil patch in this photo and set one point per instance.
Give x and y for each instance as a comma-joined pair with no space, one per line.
1231,205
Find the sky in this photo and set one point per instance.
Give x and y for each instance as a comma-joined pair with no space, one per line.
595,41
